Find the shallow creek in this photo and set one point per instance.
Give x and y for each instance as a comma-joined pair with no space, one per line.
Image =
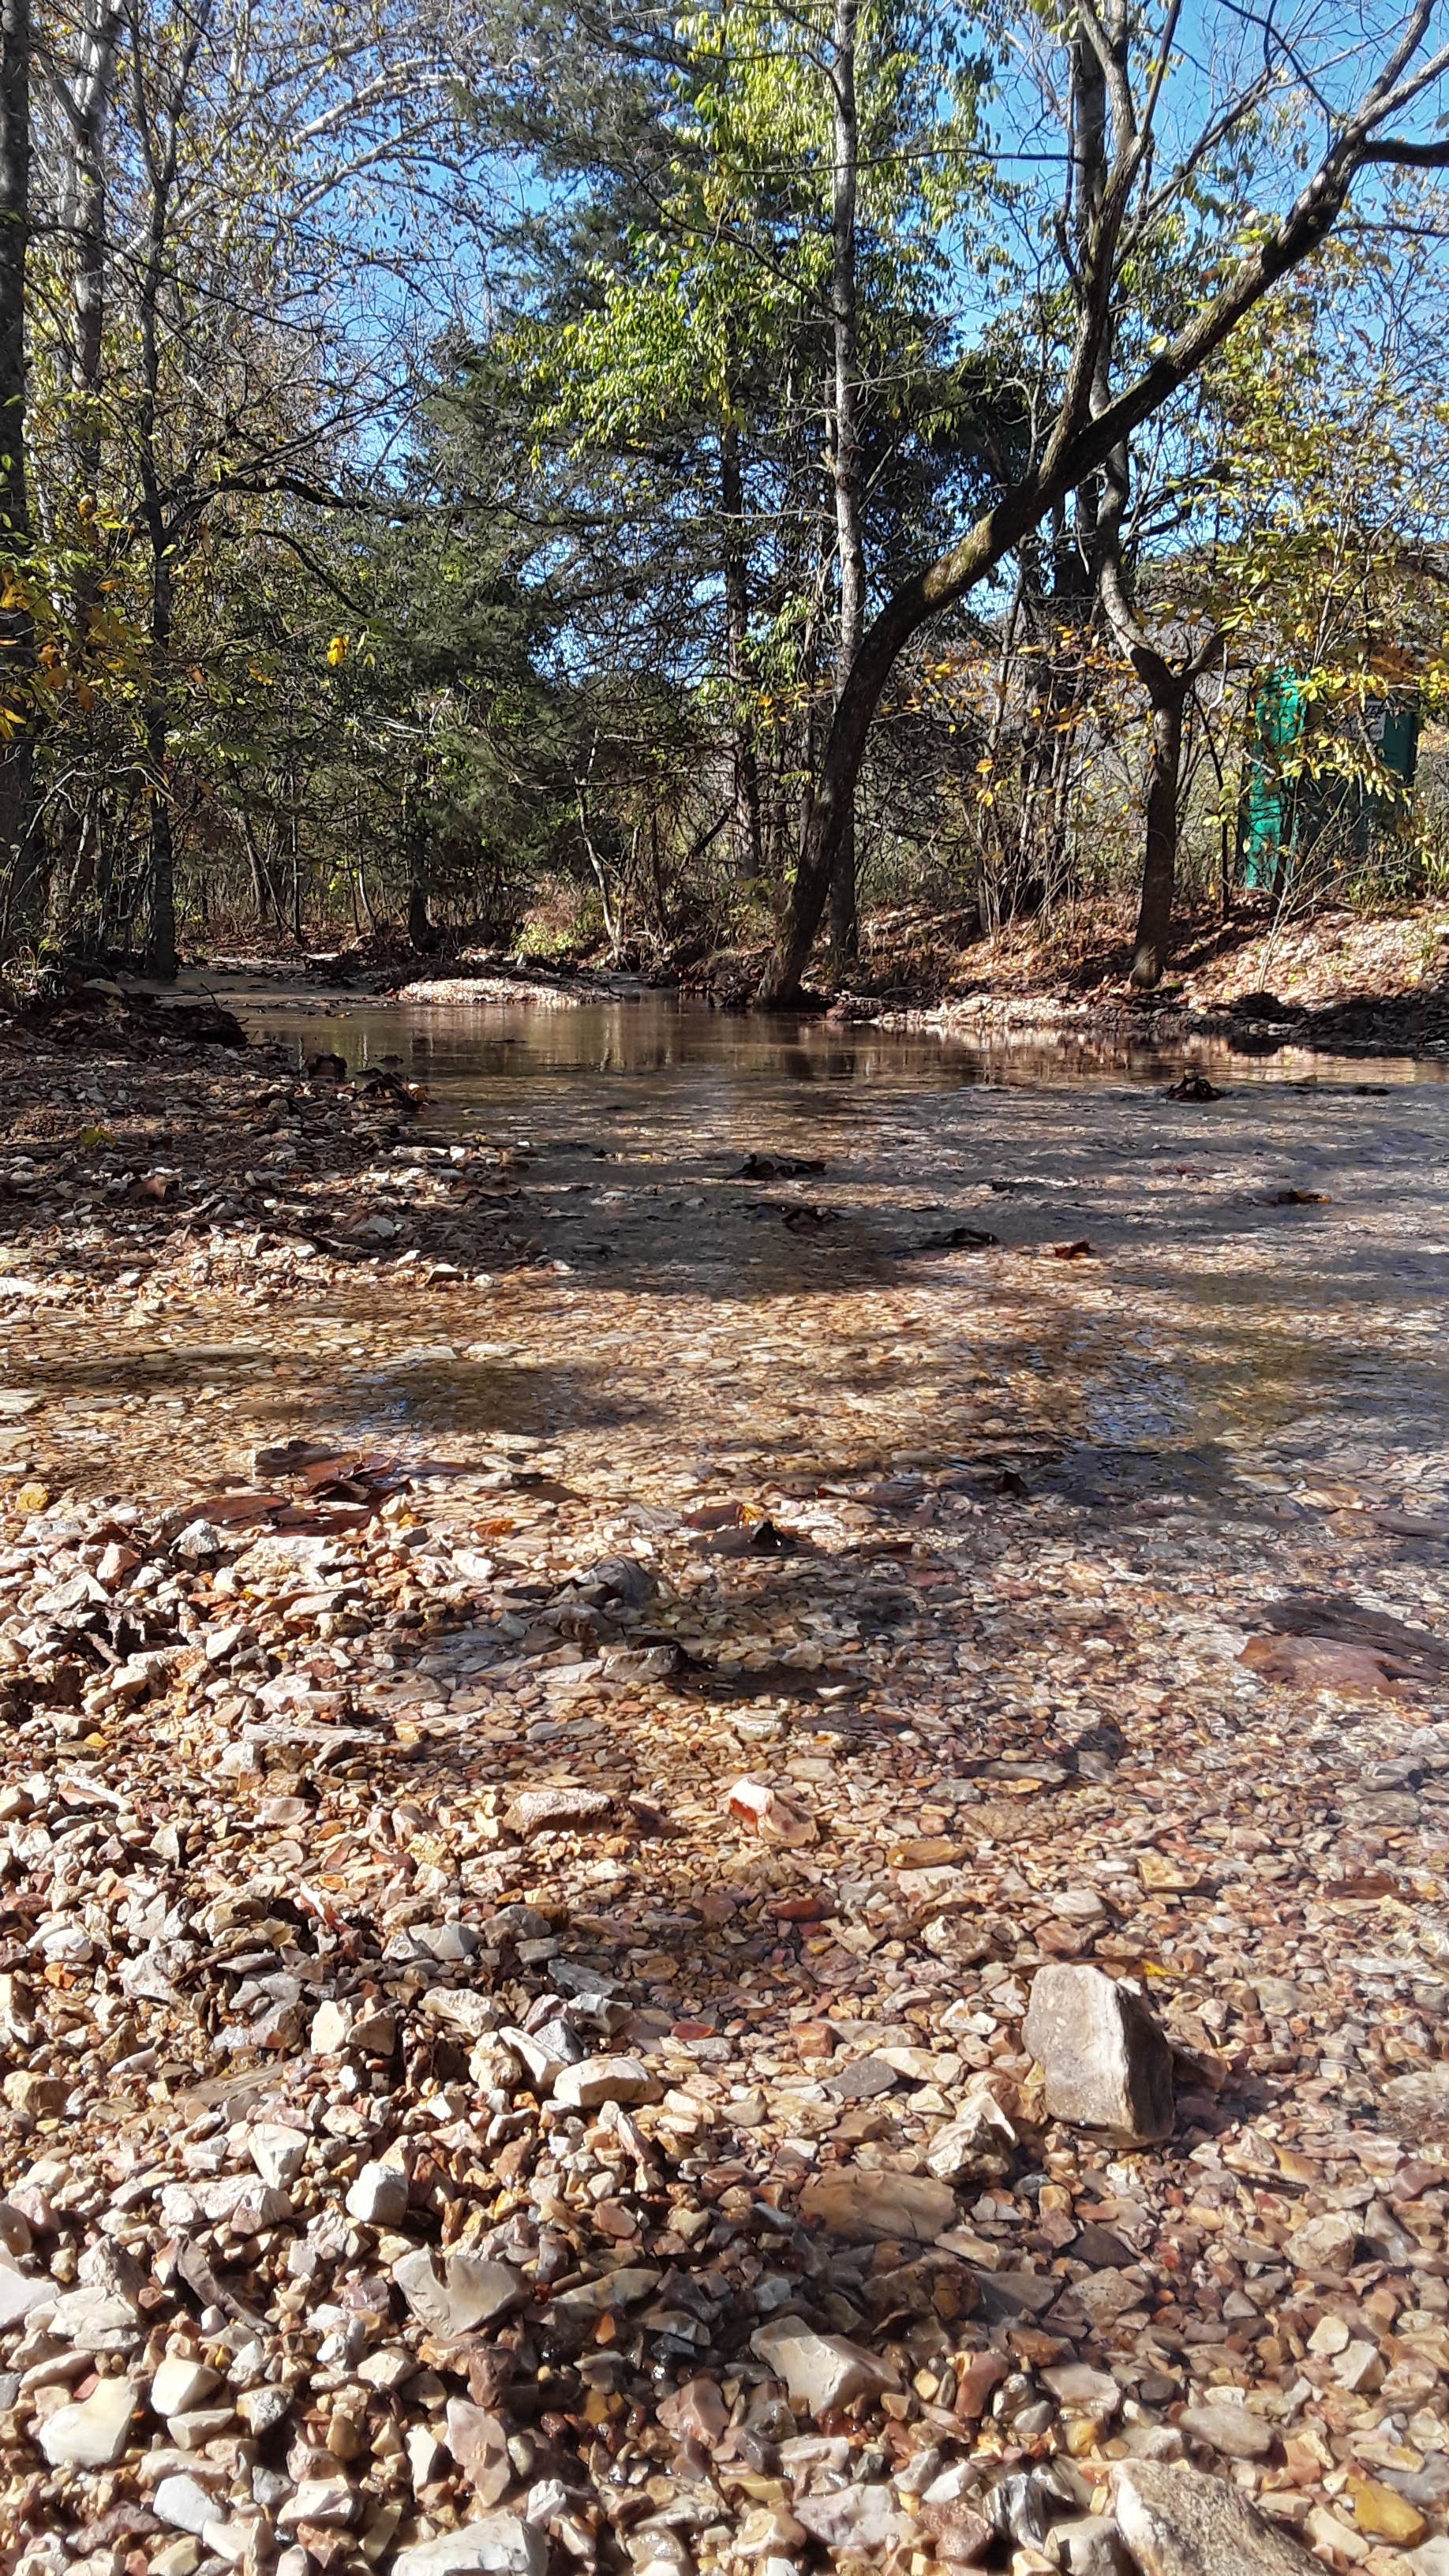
717,1318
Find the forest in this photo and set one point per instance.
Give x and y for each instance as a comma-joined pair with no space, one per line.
665,485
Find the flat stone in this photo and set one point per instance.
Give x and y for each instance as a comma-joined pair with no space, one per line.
91,2435
184,2505
478,2441
331,2029
1324,2244
860,2204
1106,2062
497,2544
42,2096
1232,2430
545,2051
861,2519
20,2292
14,2231
338,2027
1103,2297
862,2080
819,2370
242,2202
261,2409
1089,2546
542,1811
696,2413
95,2320
1385,2514
471,2292
1085,2391
1419,2106
1017,2294
1178,2523
331,2502
596,2080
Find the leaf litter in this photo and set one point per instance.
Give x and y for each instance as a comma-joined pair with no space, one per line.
515,2022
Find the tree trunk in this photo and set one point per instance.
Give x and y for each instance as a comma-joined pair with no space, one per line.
833,805
17,633
748,846
165,527
1159,864
845,444
88,103
161,954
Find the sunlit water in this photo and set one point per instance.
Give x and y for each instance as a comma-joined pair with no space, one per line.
1209,1343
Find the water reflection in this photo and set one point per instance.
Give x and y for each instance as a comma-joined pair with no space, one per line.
462,1045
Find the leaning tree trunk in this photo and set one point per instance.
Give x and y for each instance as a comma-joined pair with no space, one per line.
1153,946
832,808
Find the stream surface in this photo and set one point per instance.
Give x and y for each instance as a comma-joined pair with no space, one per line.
1212,1336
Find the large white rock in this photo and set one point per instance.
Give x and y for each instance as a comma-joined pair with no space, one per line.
183,2504
596,2080
1106,2062
497,2544
819,2370
93,2434
277,2151
178,2383
379,2197
240,2201
1178,2523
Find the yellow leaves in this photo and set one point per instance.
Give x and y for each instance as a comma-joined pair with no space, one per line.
337,652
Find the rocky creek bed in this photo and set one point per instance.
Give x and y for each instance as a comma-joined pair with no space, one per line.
629,1709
